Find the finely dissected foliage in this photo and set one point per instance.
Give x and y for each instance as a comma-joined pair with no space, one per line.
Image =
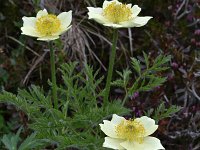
146,79
76,123
162,112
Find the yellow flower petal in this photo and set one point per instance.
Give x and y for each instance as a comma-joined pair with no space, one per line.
113,143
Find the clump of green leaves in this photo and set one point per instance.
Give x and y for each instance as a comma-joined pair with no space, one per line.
13,142
76,123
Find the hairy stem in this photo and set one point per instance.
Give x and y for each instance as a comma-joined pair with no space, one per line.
125,98
111,65
53,76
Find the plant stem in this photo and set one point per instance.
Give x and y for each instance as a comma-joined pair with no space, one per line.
125,98
111,65
53,76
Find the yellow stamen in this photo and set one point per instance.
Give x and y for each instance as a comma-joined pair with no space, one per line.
116,13
48,25
131,130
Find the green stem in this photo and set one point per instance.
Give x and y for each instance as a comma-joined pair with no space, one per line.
53,76
111,65
125,98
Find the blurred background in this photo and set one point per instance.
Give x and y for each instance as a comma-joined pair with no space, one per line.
174,30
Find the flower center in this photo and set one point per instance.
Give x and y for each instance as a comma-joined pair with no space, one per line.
117,12
131,130
48,25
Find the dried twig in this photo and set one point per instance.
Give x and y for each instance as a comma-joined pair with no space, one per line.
193,91
34,66
184,3
20,43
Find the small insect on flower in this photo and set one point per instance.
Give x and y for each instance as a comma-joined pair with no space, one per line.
46,26
133,134
118,15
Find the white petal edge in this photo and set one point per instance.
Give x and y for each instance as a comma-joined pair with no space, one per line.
109,128
135,10
29,21
149,125
48,38
128,24
141,21
106,3
150,143
117,119
98,17
30,31
65,19
113,25
97,10
129,5
41,13
62,31
113,143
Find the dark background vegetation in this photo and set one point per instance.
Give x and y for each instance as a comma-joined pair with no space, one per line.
174,30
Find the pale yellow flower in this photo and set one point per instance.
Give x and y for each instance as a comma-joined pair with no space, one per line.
46,26
134,134
117,15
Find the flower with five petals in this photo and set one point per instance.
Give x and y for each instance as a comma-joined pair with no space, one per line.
134,134
117,15
46,27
